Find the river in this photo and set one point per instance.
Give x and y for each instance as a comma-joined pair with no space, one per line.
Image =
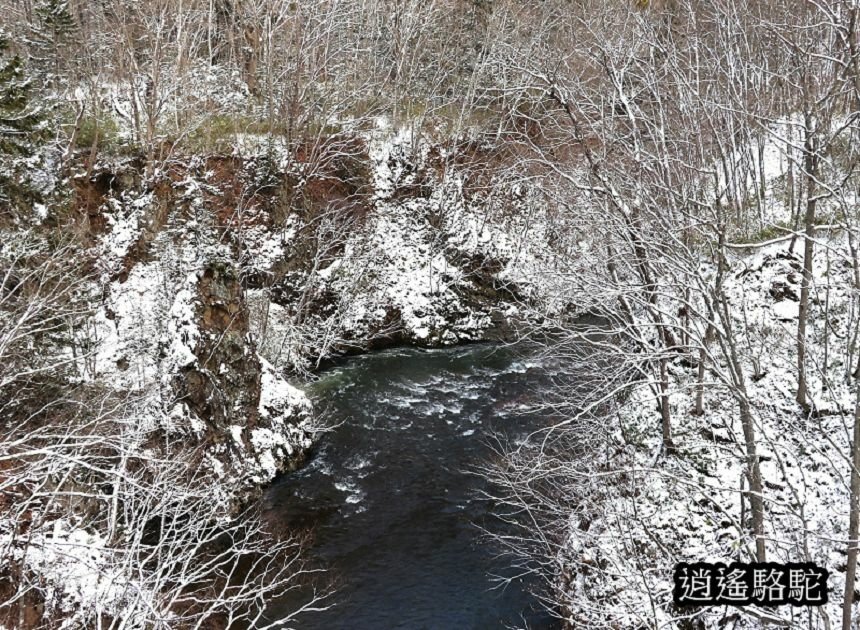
390,496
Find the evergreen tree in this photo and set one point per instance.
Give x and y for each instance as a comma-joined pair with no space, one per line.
53,30
55,17
19,120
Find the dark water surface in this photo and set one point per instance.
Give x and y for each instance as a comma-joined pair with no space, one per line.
388,496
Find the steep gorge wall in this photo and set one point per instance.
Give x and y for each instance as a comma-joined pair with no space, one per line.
199,290
222,275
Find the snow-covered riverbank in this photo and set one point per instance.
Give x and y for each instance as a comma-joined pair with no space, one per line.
217,282
652,511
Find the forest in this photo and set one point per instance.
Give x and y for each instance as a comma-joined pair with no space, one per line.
426,313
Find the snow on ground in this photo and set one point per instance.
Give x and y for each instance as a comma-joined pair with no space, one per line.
264,247
400,260
688,507
426,266
409,269
148,330
126,220
418,254
768,164
280,406
81,577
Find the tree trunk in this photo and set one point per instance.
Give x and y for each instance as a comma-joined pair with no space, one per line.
756,497
700,377
793,205
665,413
854,510
756,493
854,502
73,137
810,159
730,351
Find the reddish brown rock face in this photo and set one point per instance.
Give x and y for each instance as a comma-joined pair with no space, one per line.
224,387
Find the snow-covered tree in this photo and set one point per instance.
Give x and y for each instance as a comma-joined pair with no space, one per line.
51,34
20,120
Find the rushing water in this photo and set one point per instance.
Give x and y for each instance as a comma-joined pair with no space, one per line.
389,496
